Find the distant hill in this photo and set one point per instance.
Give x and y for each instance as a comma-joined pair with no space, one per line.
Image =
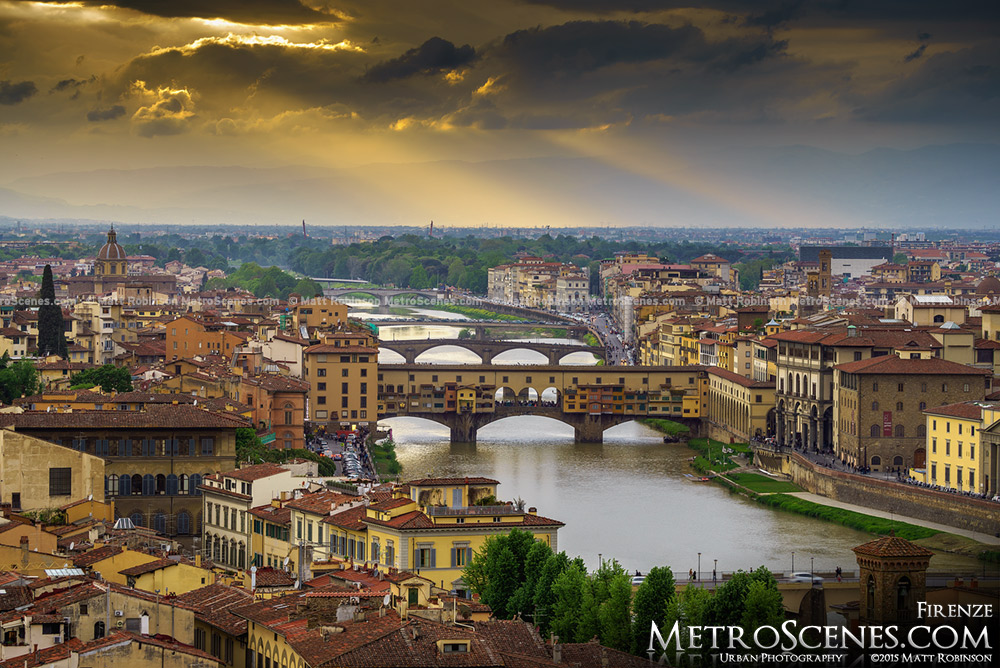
952,186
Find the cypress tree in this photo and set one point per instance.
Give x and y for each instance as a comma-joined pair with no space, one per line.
51,337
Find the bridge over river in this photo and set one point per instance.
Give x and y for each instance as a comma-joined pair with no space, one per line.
590,399
486,350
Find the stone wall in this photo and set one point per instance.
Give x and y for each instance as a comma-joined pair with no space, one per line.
950,509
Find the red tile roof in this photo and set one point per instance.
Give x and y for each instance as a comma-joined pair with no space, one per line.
212,606
741,380
153,417
255,472
894,365
148,567
969,410
892,546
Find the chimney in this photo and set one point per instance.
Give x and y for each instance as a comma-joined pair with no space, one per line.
197,559
556,650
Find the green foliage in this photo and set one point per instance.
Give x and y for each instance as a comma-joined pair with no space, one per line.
465,334
591,340
109,377
546,598
49,516
488,500
475,313
763,606
384,456
248,446
615,612
762,484
651,605
666,426
51,331
249,449
752,270
688,609
712,455
567,593
900,258
19,379
847,518
270,282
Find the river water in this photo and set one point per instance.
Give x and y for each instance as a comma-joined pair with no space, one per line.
626,499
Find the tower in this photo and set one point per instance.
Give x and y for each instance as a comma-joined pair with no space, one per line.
892,578
111,259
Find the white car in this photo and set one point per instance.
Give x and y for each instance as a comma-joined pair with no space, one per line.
638,580
805,577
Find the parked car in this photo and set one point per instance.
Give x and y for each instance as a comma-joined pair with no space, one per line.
638,580
337,456
805,577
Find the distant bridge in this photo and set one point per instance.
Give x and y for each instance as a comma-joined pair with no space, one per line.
486,350
589,398
386,295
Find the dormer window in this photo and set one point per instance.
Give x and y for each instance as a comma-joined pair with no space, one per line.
454,647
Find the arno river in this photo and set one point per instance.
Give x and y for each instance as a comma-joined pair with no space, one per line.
627,499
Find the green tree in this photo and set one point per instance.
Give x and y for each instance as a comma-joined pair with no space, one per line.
652,600
522,603
503,581
616,613
763,606
900,258
455,271
248,446
51,329
19,379
567,595
690,608
109,377
588,624
544,600
419,278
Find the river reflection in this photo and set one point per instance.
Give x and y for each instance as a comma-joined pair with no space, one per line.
628,498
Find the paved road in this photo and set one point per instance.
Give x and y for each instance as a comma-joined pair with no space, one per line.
614,349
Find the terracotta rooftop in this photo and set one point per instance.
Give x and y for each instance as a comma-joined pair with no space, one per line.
740,380
970,410
321,502
255,472
148,567
153,417
894,365
892,546
212,605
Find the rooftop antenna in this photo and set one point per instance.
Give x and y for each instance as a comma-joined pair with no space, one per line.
304,229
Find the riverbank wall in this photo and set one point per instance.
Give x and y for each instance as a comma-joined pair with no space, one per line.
888,496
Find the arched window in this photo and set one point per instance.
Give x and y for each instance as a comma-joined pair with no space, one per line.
125,485
98,630
112,486
903,597
923,405
871,595
897,460
137,518
899,405
137,484
195,484
874,405
874,431
148,485
876,460
921,430
172,484
183,523
161,484
242,562
938,318
160,523
900,431
798,384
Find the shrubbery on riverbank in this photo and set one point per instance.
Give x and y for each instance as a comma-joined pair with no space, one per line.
384,457
666,426
847,518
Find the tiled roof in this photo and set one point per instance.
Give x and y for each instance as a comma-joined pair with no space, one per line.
97,554
321,502
273,577
268,512
593,654
44,656
970,410
148,567
741,380
350,519
212,605
894,365
453,481
892,546
153,417
255,472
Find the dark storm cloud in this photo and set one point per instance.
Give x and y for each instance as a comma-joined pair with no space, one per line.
915,54
583,46
270,12
923,36
775,17
14,93
948,87
110,114
66,84
433,56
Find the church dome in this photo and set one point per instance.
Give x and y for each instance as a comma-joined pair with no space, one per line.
111,250
988,286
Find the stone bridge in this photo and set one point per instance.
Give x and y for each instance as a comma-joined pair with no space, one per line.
486,350
587,428
386,295
589,398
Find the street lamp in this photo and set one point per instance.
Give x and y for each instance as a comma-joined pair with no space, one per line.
699,568
812,575
715,566
793,561
600,561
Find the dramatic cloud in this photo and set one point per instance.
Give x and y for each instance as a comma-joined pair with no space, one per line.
169,111
260,12
433,56
109,114
14,93
67,84
915,54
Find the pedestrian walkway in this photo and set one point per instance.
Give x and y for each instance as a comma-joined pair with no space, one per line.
825,501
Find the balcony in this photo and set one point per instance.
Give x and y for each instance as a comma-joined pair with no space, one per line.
465,511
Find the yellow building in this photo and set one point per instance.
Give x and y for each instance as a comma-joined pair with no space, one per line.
740,407
342,375
37,474
319,312
167,576
270,543
962,447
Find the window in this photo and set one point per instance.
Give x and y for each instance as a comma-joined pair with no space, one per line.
454,647
343,372
60,481
899,388
207,446
321,387
321,372
900,431
923,405
857,355
425,557
874,431
899,405
874,405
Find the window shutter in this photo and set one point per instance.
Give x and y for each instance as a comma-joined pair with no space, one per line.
454,561
433,558
468,556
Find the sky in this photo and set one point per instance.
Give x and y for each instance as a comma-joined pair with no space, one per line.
684,95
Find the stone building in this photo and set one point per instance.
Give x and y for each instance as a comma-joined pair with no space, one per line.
36,474
738,406
155,459
881,403
892,578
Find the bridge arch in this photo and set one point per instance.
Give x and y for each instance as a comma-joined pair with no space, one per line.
438,349
538,357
